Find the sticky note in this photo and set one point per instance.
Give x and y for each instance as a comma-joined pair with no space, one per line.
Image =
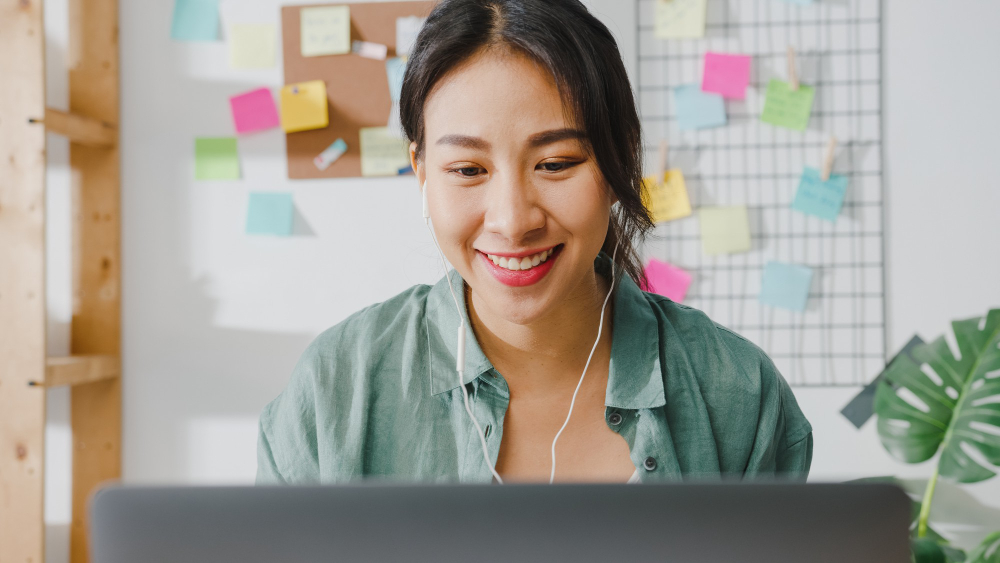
270,214
407,30
680,19
195,20
787,108
667,200
330,155
216,158
724,230
304,106
325,30
819,198
254,111
726,75
382,154
698,110
667,280
252,45
395,69
786,286
370,50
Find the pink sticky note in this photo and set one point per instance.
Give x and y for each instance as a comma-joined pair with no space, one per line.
667,280
254,111
728,75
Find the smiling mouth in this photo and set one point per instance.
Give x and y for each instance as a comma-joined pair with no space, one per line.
524,263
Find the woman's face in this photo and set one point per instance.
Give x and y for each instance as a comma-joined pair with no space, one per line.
518,205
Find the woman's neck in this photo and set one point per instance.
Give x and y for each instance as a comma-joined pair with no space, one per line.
555,344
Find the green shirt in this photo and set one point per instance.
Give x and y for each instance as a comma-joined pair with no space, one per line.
377,396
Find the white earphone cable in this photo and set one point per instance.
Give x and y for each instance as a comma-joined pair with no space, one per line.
600,327
460,352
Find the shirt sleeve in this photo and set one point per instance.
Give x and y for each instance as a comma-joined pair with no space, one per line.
286,444
783,442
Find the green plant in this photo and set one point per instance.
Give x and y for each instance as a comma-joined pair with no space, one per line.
947,404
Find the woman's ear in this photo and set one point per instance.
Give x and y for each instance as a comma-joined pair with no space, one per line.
418,165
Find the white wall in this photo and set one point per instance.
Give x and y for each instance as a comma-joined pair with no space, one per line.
214,320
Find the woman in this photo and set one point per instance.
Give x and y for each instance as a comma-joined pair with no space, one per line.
525,135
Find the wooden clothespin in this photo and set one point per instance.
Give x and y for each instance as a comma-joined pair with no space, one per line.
793,73
661,164
831,148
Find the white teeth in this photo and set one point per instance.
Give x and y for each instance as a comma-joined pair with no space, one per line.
517,264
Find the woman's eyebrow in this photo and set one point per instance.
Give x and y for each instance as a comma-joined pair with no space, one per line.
464,141
554,136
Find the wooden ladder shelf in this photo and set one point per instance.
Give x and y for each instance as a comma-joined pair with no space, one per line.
93,368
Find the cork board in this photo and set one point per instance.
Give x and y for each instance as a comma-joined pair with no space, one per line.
357,88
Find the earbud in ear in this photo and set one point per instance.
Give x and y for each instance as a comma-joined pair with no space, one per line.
423,195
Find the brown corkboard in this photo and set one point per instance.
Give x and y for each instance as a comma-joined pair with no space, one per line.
357,89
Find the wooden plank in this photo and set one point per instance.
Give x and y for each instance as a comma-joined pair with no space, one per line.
77,370
96,325
80,129
22,281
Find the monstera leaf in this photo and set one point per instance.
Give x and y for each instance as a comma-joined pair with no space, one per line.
988,551
946,403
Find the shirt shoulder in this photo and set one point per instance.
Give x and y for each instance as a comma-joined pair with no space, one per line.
732,373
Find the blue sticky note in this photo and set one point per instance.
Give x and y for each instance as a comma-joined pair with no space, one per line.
786,286
195,20
697,109
395,68
819,198
270,214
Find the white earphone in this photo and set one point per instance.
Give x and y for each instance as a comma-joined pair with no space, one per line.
460,352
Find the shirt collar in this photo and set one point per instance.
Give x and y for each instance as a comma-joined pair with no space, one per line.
635,379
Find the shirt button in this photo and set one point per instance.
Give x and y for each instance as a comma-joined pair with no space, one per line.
650,463
615,419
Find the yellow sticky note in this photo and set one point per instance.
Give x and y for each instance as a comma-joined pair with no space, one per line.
724,230
382,153
303,106
680,19
325,30
667,200
252,45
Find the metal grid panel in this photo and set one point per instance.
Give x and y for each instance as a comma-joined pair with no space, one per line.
840,339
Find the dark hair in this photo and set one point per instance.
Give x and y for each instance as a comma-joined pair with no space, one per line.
582,56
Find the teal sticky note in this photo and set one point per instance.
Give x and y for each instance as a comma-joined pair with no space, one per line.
819,198
698,110
786,286
788,108
270,214
195,20
216,158
395,68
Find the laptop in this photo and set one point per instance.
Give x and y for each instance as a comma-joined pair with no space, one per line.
527,523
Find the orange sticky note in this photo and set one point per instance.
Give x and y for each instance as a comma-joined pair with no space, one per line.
667,200
304,106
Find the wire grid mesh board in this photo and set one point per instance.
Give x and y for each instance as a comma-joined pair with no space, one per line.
840,338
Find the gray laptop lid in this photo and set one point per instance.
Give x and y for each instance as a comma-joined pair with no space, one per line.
689,523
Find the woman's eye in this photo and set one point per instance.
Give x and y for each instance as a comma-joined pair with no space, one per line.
557,166
468,171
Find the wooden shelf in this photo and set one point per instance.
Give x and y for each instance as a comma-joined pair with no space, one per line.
79,129
76,370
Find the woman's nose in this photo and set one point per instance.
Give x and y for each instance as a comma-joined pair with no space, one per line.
512,208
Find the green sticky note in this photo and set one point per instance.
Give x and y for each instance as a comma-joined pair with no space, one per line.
216,158
270,214
788,108
195,20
